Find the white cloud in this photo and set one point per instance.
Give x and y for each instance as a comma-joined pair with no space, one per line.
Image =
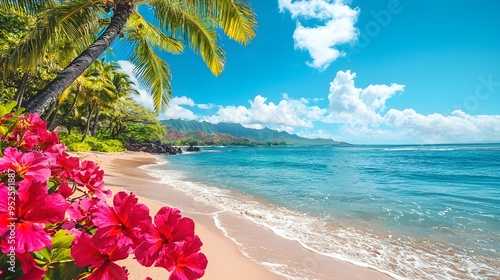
176,111
205,106
322,41
285,115
361,113
349,104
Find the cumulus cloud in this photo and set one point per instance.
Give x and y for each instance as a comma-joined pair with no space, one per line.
337,20
205,106
355,105
362,115
285,115
175,109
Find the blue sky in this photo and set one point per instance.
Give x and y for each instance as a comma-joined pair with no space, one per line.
367,72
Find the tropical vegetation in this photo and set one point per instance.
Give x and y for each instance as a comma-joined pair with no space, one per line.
50,49
77,22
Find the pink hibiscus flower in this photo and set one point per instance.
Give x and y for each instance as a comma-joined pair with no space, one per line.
122,225
169,229
31,165
31,133
31,122
79,211
185,260
33,208
62,165
90,176
85,253
46,139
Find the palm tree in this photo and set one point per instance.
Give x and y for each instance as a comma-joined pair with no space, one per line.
122,86
22,56
193,22
101,91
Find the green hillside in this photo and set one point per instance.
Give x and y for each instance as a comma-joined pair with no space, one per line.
265,135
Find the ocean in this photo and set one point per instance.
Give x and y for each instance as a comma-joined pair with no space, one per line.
413,212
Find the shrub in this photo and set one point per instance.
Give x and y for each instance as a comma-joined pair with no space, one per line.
79,147
74,143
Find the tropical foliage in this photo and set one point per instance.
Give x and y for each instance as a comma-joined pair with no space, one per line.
55,222
193,22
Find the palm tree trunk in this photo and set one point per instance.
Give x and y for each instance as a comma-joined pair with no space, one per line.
65,116
21,89
96,119
42,100
87,125
52,118
49,113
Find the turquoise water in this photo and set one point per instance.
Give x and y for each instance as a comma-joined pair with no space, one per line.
419,212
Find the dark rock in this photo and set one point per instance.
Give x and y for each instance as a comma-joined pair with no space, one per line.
152,147
192,148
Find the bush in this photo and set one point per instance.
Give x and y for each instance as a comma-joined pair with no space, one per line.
79,147
73,141
107,146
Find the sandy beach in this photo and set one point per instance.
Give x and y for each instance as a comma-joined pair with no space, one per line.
226,260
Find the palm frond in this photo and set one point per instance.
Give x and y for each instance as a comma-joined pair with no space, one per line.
27,6
198,30
235,17
158,39
152,71
71,22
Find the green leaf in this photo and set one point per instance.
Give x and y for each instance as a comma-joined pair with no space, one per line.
43,255
61,240
64,271
3,111
62,256
20,111
10,105
3,130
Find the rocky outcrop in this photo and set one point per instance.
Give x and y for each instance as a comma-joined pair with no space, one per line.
152,147
192,148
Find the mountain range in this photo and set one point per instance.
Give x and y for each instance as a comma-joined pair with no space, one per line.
232,132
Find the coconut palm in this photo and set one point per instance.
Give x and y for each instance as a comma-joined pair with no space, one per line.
100,91
23,58
122,87
193,22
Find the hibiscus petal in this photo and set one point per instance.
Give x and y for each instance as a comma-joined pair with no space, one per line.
30,269
103,215
106,238
147,253
183,230
38,206
194,265
178,274
184,259
85,252
31,237
109,271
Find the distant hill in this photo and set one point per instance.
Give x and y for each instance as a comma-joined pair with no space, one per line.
226,130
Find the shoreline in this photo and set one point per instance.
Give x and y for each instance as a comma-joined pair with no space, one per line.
216,228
